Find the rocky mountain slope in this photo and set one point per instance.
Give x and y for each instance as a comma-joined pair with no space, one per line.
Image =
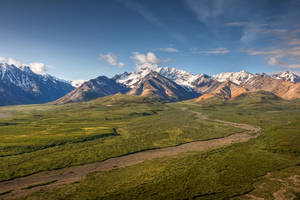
226,90
156,85
176,84
181,77
287,76
20,85
92,89
283,89
235,77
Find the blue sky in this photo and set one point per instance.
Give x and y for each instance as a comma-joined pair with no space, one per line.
79,39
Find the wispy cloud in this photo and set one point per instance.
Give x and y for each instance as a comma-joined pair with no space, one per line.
287,52
254,31
169,49
236,24
294,41
217,51
111,59
141,58
36,67
258,27
283,57
142,10
293,66
205,10
14,62
292,38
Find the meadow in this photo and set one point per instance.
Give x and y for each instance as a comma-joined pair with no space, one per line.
47,137
236,171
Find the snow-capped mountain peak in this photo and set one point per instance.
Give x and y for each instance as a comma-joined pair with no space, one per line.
287,76
235,77
179,76
22,85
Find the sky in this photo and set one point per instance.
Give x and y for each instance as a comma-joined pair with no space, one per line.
82,39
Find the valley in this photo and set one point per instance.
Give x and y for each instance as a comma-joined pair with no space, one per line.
73,147
73,174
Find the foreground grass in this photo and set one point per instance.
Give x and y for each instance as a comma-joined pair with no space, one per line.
48,137
273,185
219,174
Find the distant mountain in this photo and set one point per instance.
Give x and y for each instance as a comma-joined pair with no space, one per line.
20,85
145,82
205,84
235,77
279,87
199,83
211,86
180,77
92,89
287,76
226,90
156,85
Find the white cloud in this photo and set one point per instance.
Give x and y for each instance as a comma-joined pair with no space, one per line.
140,58
217,51
14,62
111,59
283,57
273,61
121,64
293,66
169,49
268,51
2,59
152,58
38,68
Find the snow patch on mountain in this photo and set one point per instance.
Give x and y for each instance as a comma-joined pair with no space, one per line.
235,77
179,76
287,76
77,83
24,77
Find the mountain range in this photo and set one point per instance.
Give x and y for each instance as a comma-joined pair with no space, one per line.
19,85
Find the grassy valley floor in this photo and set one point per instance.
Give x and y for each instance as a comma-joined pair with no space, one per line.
62,137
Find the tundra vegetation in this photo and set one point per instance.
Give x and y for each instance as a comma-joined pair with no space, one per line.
47,137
